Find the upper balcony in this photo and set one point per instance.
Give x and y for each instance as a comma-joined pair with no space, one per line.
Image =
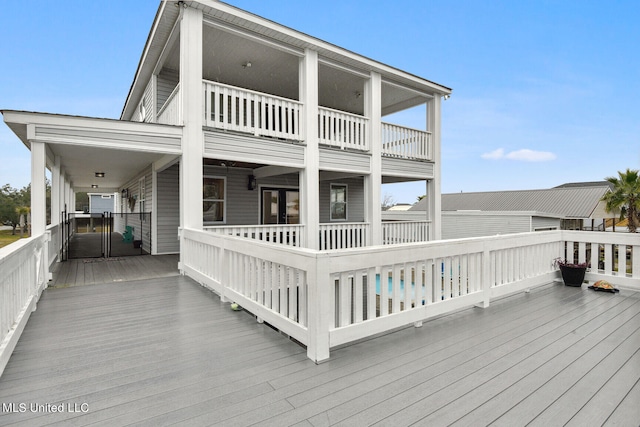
232,108
252,85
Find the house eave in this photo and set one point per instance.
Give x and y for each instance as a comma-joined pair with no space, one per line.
249,23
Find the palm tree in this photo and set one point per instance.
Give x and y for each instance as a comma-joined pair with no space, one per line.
625,197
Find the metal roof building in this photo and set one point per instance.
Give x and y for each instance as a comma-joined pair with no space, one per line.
571,202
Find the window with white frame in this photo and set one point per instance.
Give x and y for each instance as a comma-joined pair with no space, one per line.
338,202
213,200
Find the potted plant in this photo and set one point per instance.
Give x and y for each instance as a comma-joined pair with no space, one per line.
572,273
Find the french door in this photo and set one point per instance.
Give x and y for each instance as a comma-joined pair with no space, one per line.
280,206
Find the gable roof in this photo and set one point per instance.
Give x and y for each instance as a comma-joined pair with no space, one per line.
568,202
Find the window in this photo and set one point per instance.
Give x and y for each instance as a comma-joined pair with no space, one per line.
213,200
338,202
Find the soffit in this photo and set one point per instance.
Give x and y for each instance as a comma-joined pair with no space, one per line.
273,71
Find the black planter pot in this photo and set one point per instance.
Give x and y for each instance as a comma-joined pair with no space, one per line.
572,276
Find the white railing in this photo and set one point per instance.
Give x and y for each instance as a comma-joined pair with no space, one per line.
290,235
241,110
23,276
342,130
54,244
325,299
171,112
611,256
343,235
268,280
406,143
395,232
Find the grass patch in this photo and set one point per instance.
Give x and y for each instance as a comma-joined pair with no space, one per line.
6,237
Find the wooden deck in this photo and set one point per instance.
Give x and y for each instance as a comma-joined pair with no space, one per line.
165,350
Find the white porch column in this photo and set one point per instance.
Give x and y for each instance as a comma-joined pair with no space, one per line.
310,176
56,189
192,136
38,188
434,209
373,182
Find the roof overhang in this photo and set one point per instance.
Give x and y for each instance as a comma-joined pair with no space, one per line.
82,146
220,15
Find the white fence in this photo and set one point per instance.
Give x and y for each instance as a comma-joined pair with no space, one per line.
171,112
611,256
407,143
395,232
231,108
289,235
23,276
324,299
342,130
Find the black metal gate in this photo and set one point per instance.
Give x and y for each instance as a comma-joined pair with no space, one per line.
97,236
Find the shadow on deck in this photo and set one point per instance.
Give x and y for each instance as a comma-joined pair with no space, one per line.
166,350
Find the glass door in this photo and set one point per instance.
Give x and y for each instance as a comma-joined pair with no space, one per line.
280,206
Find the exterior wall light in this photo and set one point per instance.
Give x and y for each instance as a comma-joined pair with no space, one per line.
253,184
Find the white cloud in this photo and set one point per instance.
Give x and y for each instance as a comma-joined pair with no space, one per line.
494,155
524,155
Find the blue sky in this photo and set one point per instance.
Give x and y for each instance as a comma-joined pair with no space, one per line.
544,92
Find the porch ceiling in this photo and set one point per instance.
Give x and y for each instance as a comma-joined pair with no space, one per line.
231,42
119,166
88,145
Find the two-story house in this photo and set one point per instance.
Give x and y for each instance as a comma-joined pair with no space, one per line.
239,125
258,154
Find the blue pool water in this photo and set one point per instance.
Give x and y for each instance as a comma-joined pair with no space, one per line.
390,287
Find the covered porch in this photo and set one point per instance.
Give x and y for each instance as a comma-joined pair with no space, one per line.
166,350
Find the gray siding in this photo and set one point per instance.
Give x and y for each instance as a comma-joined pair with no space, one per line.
243,205
141,224
456,225
540,223
407,168
250,149
166,81
168,210
344,161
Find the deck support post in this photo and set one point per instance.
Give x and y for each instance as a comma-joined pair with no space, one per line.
38,187
310,176
434,203
373,181
486,279
192,138
320,312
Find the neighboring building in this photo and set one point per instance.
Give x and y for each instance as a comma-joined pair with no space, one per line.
235,123
574,206
100,203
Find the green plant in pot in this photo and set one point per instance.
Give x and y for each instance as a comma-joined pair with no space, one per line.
572,273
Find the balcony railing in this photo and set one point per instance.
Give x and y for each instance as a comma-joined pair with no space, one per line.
171,112
289,235
406,143
325,299
241,110
343,235
395,232
342,130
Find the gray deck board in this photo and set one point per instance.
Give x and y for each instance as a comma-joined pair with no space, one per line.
161,351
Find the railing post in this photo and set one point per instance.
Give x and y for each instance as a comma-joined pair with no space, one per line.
319,311
486,279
